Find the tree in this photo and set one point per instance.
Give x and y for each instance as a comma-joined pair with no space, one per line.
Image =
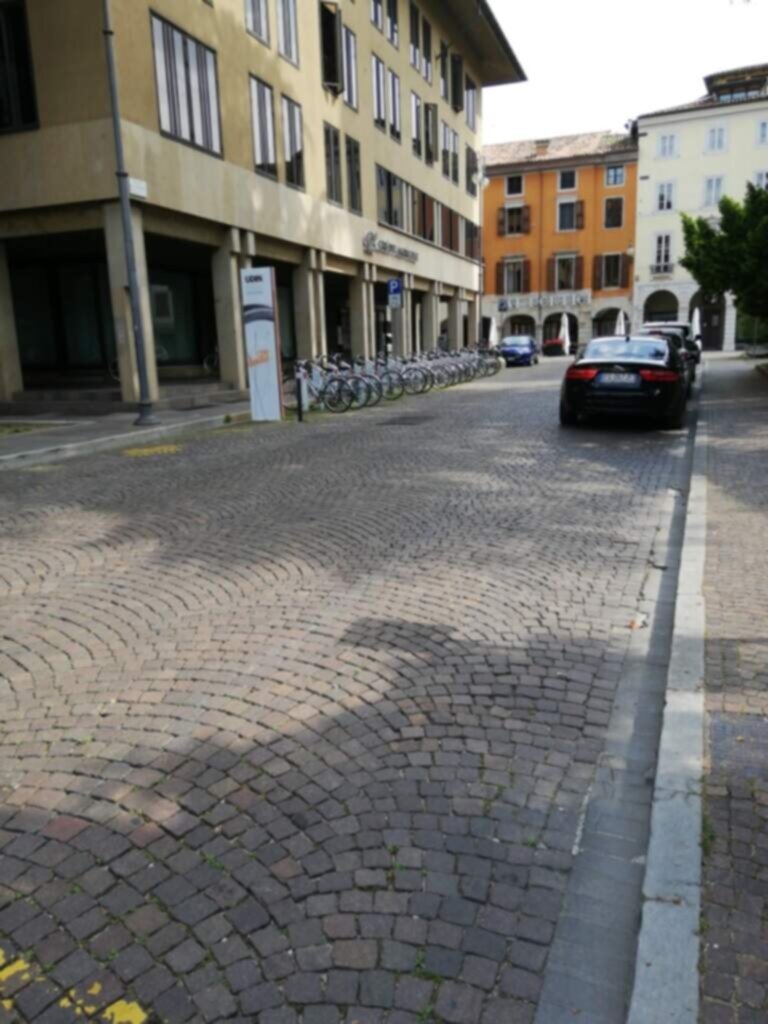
732,256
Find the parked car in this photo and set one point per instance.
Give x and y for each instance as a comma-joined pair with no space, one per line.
679,325
519,350
685,345
553,347
634,376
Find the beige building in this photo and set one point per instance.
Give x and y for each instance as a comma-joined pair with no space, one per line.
335,142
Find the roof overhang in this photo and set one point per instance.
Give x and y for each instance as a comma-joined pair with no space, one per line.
496,60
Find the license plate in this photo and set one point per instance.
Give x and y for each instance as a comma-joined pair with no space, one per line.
618,378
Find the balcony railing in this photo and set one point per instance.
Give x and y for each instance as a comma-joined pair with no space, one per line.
662,268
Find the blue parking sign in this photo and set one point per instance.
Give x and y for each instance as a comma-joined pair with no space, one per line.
395,291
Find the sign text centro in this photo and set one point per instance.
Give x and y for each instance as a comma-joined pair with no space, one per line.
373,244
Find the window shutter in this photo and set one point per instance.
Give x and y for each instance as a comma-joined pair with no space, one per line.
551,268
626,271
457,82
579,273
526,220
502,222
526,277
597,273
330,35
580,215
430,131
500,279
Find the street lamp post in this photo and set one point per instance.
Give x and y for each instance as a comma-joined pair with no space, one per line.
146,416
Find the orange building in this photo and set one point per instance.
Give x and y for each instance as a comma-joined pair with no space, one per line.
559,234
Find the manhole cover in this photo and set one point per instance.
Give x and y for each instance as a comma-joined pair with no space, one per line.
737,745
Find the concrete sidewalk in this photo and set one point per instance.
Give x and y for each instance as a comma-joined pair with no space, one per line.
53,438
734,926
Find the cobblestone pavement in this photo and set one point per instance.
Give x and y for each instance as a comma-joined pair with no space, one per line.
298,722
734,975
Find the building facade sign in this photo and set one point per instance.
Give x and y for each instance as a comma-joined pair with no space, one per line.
373,244
545,300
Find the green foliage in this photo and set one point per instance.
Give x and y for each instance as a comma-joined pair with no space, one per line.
732,256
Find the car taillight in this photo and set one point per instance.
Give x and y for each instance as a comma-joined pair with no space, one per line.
660,376
581,373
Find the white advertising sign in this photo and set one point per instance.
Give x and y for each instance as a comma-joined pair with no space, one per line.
262,349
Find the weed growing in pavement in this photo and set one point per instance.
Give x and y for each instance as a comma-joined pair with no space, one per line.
707,836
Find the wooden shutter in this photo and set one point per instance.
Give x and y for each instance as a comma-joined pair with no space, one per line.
526,277
597,273
626,271
457,82
431,146
331,43
579,273
502,222
580,215
526,220
551,270
500,279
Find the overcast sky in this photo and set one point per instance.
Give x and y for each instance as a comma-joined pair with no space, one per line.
594,64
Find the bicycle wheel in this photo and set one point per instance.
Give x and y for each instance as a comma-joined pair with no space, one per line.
392,385
337,395
415,381
375,391
360,390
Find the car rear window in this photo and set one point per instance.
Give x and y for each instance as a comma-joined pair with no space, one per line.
654,349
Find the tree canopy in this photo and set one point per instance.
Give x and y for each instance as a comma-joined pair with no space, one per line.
732,256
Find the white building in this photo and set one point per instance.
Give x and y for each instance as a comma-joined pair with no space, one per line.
691,156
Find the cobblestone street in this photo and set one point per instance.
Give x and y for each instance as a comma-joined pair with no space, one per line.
300,724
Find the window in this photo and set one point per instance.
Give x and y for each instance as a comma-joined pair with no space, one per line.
393,22
514,220
331,43
422,215
565,273
450,153
470,103
257,19
17,91
472,169
265,154
614,175
416,129
663,247
567,181
762,133
390,194
426,39
457,82
761,179
611,271
377,14
349,56
665,196
287,30
354,176
379,94
667,146
614,212
472,241
430,134
514,276
187,87
566,216
293,143
514,185
713,191
455,157
395,126
449,229
716,140
332,163
415,37
444,71
446,150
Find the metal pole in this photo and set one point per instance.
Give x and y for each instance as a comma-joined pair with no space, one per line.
145,417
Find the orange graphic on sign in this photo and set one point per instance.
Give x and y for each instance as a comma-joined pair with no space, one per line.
259,359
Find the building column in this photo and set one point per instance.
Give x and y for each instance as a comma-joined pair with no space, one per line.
121,303
310,325
474,334
455,325
729,328
430,319
359,313
11,380
229,316
417,316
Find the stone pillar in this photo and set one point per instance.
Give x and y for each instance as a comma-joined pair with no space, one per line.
474,333
417,316
229,316
308,345
121,303
729,328
401,326
359,313
430,319
11,380
455,322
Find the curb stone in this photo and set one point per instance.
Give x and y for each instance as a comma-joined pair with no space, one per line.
666,989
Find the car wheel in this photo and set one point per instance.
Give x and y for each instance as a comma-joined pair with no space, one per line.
567,418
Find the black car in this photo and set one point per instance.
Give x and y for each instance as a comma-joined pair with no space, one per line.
634,376
682,342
